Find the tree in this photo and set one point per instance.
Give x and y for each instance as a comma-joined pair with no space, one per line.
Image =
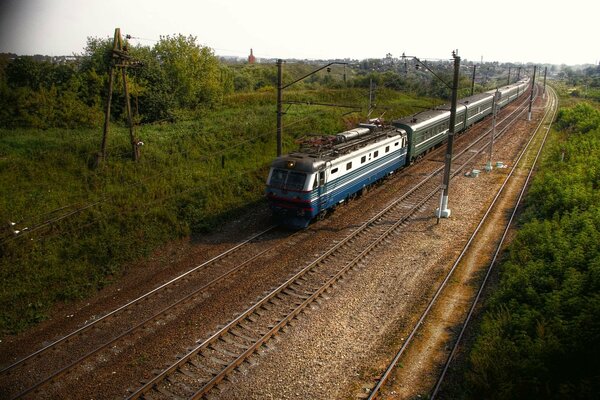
192,72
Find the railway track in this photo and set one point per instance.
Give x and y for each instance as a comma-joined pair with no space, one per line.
429,319
202,368
71,351
530,163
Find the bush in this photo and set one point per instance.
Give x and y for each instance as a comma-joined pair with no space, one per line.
541,335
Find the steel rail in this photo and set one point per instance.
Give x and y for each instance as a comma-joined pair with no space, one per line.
391,366
498,249
132,302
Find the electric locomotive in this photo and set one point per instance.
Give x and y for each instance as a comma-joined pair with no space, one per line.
329,170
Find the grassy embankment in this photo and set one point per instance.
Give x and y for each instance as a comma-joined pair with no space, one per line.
80,225
540,334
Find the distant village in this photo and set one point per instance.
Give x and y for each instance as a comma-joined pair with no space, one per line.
41,58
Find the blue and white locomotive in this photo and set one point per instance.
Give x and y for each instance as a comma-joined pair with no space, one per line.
330,170
304,185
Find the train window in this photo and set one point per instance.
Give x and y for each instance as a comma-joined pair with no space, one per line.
396,144
333,171
363,159
278,177
348,166
387,148
376,154
295,181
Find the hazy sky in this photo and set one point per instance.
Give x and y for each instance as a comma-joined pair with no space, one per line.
503,30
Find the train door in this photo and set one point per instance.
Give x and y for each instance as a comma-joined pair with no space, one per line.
322,190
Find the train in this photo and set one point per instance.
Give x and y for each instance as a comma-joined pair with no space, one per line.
329,170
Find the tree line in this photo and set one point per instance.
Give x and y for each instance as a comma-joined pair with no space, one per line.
176,76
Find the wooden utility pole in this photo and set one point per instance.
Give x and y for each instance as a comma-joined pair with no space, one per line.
119,59
473,80
531,97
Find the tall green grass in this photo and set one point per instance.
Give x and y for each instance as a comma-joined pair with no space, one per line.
80,224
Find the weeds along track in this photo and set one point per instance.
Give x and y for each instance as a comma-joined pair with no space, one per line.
39,370
528,161
198,372
461,274
50,362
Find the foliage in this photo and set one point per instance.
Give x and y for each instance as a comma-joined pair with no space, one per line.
85,225
70,228
580,119
191,71
541,335
42,95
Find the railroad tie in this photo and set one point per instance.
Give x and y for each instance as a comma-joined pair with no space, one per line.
167,392
235,332
201,366
232,342
219,361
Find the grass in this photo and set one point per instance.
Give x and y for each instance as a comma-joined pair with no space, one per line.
79,224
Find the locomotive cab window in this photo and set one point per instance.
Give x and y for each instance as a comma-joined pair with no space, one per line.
288,179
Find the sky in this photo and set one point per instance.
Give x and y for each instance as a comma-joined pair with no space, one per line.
518,31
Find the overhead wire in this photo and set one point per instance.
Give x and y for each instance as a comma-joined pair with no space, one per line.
46,220
111,199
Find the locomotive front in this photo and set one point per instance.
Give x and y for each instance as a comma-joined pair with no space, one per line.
291,189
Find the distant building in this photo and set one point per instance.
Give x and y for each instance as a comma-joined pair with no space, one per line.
251,58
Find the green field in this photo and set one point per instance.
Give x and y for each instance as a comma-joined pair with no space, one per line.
539,337
79,224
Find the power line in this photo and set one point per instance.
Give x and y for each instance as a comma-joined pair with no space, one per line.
111,199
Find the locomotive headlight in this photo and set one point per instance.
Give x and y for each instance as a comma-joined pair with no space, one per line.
291,164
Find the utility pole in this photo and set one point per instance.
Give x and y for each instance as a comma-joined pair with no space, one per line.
281,87
497,97
119,59
473,80
279,104
518,74
531,97
443,211
371,97
508,82
544,92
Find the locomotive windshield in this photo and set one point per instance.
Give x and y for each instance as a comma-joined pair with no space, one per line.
289,180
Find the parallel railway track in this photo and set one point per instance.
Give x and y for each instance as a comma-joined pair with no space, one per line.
418,326
99,335
197,373
92,338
